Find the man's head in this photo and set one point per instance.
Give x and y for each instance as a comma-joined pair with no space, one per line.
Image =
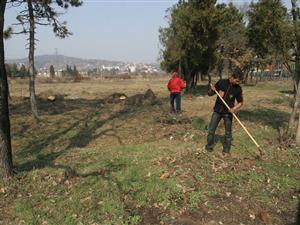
236,76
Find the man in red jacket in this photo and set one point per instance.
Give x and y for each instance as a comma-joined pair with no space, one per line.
175,86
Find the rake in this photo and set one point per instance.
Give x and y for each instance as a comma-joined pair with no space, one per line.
242,125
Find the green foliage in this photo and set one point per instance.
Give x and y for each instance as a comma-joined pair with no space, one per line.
7,33
23,71
45,13
70,72
269,28
233,40
190,40
12,70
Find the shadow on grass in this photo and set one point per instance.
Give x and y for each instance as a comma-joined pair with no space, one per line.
88,126
297,214
298,211
81,139
59,106
289,92
270,117
77,129
199,90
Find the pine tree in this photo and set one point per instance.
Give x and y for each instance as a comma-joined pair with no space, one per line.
41,12
52,71
6,164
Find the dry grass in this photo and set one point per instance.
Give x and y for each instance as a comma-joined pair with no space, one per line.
93,162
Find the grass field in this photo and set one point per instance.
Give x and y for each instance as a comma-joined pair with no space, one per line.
95,159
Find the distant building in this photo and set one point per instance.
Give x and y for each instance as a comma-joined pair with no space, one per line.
132,69
109,68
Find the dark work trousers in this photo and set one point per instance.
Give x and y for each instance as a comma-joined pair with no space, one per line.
214,122
176,96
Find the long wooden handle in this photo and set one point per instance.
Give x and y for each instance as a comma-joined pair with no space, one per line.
257,145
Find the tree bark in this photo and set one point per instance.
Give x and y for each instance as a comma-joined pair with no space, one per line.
31,61
298,132
6,163
292,121
220,68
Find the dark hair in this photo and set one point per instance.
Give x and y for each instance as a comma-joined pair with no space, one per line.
237,73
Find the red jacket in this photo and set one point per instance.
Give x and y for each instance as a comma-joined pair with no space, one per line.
176,84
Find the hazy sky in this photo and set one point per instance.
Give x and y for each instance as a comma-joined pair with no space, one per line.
124,30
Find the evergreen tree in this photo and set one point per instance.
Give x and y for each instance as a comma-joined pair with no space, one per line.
75,72
232,43
14,70
189,42
52,71
23,72
41,12
8,70
269,30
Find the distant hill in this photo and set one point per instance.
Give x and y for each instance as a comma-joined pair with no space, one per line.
60,62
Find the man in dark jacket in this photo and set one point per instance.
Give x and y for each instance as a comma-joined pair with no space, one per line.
229,90
175,86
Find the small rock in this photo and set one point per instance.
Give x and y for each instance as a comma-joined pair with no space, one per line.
51,98
252,216
212,222
165,175
2,190
228,194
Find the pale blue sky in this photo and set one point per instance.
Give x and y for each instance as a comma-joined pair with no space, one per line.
125,30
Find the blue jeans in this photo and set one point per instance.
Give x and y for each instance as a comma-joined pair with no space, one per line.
214,122
176,96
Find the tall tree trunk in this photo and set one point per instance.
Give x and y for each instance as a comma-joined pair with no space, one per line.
202,76
209,71
292,121
210,53
209,78
220,67
6,163
31,61
187,75
298,133
246,77
197,78
179,67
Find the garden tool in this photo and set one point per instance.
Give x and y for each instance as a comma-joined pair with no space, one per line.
242,125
